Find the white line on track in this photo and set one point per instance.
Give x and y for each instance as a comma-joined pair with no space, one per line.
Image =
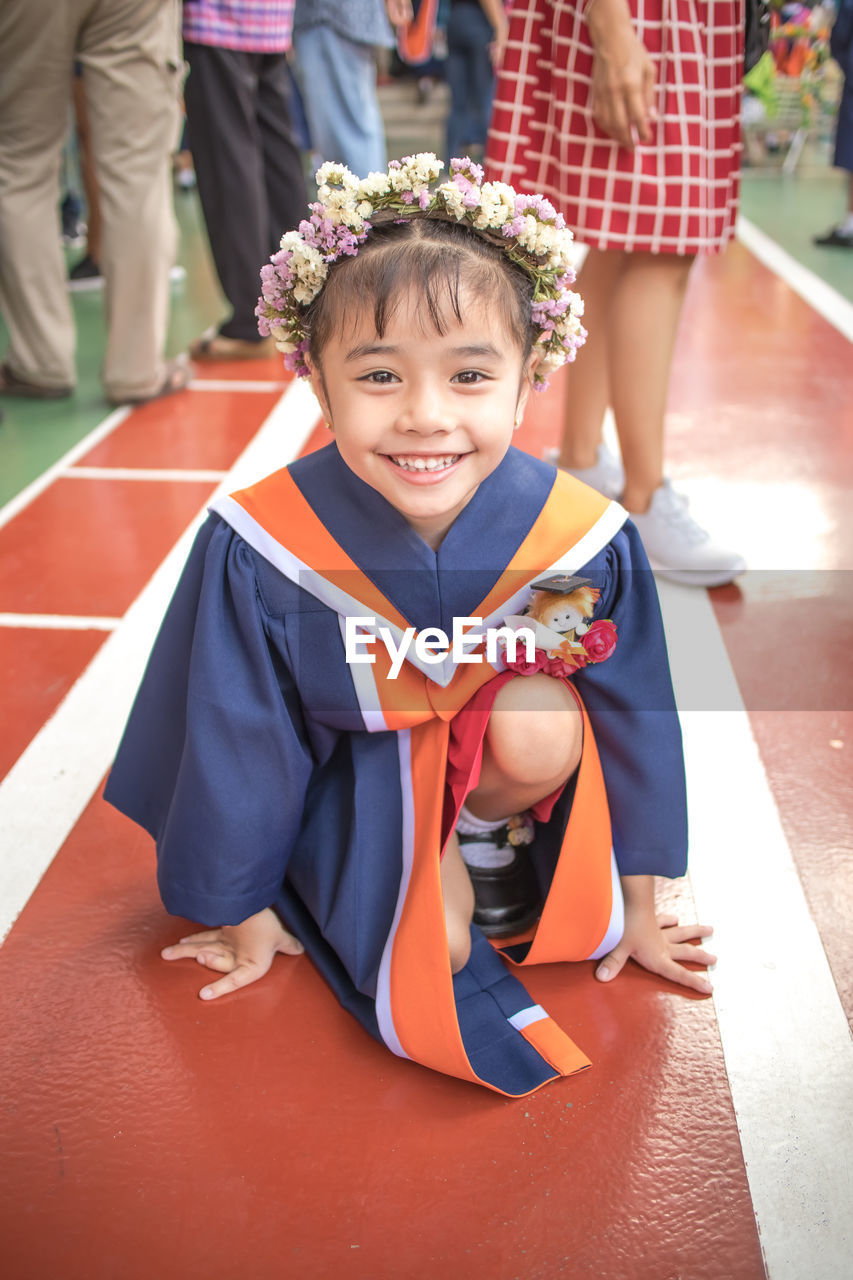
50,785
224,384
785,1038
819,295
57,622
141,473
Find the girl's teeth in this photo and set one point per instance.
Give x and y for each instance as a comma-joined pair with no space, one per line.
426,464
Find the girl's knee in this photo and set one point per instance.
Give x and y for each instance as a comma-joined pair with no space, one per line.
536,731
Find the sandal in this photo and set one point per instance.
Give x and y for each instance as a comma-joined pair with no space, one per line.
216,346
177,377
13,385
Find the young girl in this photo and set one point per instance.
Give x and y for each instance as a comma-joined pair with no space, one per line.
305,750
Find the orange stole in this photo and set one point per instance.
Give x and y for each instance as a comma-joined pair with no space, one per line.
577,909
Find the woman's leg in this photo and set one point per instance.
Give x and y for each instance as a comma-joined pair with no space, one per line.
588,391
642,326
638,303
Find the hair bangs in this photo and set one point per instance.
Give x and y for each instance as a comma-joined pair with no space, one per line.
433,263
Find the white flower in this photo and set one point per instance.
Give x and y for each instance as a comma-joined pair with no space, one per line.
575,302
374,185
451,197
422,170
497,206
528,235
337,174
283,341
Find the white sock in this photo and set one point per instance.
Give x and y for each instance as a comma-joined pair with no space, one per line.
470,825
846,227
483,853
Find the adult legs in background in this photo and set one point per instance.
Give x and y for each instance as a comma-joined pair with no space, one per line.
632,308
36,53
128,50
338,81
626,364
471,78
248,168
841,235
87,170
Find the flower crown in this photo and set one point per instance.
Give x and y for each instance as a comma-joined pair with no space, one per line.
527,228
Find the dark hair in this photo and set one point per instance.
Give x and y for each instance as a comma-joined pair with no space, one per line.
437,259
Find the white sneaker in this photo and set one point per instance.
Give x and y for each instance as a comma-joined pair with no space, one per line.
680,549
606,475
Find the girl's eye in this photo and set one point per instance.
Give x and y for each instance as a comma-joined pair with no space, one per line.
380,377
469,377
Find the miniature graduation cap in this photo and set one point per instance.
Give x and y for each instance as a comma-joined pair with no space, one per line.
561,583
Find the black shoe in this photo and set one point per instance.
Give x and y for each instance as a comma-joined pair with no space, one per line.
506,899
840,239
85,276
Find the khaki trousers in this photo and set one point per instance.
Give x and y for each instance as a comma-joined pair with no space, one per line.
129,51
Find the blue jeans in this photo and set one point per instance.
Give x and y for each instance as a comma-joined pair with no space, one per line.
470,76
338,81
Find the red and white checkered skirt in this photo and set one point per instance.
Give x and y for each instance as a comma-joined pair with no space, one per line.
677,194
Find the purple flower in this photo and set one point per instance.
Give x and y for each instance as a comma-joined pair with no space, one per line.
464,165
537,205
513,228
295,360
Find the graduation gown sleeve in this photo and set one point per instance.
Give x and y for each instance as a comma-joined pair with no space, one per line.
215,760
631,706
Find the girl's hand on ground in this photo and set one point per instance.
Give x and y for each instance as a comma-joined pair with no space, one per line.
243,952
660,944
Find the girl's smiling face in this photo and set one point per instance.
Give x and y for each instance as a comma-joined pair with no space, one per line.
424,417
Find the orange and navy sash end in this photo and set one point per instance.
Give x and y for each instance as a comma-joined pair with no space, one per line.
555,1047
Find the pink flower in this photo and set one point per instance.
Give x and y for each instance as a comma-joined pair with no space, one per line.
524,668
559,668
600,640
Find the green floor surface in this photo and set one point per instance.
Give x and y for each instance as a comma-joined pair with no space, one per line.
35,434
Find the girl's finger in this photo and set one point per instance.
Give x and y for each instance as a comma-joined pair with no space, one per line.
611,964
685,951
220,962
179,950
684,932
204,935
290,946
242,976
666,921
686,978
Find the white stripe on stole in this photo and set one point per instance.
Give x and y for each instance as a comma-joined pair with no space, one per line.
366,692
526,1017
297,571
384,1016
616,924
